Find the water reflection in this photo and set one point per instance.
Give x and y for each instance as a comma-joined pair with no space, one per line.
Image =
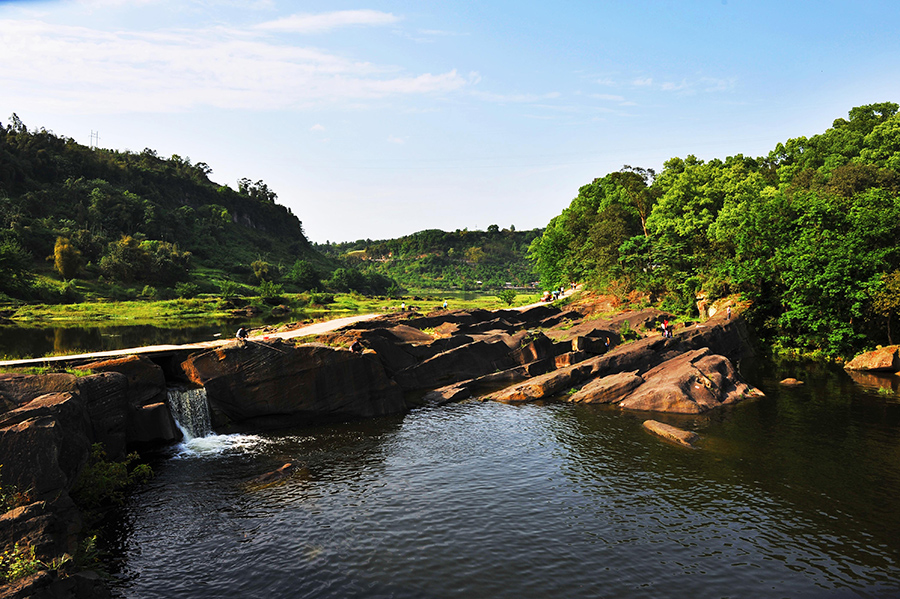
27,342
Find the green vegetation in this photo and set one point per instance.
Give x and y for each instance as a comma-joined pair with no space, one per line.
808,236
11,496
435,259
102,481
507,296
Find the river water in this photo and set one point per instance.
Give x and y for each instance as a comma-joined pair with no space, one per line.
793,495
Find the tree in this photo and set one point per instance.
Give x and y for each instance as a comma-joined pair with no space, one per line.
305,276
67,258
886,300
507,295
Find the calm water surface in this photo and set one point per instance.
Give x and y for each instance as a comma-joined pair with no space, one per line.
793,495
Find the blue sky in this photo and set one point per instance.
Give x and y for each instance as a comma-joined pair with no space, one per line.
374,119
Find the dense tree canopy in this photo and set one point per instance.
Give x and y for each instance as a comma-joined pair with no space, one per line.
808,234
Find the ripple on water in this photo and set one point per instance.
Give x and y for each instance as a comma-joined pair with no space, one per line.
486,500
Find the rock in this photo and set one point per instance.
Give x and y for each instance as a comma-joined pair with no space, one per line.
52,528
274,384
569,358
689,384
886,381
545,385
884,359
45,444
466,362
608,389
106,399
671,433
16,390
789,382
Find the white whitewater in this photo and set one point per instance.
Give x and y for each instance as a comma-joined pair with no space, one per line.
190,409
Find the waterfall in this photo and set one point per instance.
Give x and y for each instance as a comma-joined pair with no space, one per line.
190,410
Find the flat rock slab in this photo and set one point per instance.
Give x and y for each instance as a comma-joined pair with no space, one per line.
672,433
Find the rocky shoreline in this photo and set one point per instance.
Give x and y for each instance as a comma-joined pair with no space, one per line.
48,423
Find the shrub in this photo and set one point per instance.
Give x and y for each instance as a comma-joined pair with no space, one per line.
186,290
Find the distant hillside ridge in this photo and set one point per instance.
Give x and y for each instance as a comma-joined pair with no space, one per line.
131,217
460,259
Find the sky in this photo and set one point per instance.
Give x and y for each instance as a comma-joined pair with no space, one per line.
376,119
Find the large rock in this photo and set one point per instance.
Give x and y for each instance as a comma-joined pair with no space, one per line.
465,362
671,433
268,384
146,417
45,443
885,359
16,390
691,383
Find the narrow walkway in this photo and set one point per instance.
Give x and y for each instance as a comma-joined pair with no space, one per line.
313,329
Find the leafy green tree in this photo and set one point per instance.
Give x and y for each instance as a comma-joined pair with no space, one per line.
508,296
305,275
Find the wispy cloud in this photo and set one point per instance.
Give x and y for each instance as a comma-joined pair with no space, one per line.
80,69
319,23
317,127
515,98
396,140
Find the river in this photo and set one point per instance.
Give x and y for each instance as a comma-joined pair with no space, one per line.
793,495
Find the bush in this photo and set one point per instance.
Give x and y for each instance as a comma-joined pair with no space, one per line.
102,482
508,296
186,290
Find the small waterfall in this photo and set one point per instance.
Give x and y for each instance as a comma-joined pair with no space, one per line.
190,410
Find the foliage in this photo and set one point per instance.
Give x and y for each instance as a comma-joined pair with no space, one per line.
19,562
508,296
808,235
132,217
67,258
11,496
104,482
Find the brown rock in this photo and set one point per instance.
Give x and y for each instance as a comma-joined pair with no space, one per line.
789,382
44,444
608,389
466,362
884,359
273,384
672,433
691,383
16,390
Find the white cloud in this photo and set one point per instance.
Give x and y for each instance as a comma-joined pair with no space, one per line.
306,23
516,98
396,140
643,82
610,97
85,70
317,127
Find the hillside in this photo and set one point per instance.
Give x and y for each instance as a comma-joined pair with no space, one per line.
436,259
131,219
808,235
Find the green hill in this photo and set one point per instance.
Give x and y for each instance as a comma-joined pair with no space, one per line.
132,219
435,259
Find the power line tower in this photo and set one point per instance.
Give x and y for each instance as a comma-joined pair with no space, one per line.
95,139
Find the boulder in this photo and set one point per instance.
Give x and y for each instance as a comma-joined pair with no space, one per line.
791,382
671,433
607,389
276,384
106,398
545,385
885,359
16,390
691,383
45,444
52,528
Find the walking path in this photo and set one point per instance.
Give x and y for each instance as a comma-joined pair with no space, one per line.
313,329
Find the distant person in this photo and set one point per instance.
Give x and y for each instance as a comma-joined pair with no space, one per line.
242,335
728,313
445,304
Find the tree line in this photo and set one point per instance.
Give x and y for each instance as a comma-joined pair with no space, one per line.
808,235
